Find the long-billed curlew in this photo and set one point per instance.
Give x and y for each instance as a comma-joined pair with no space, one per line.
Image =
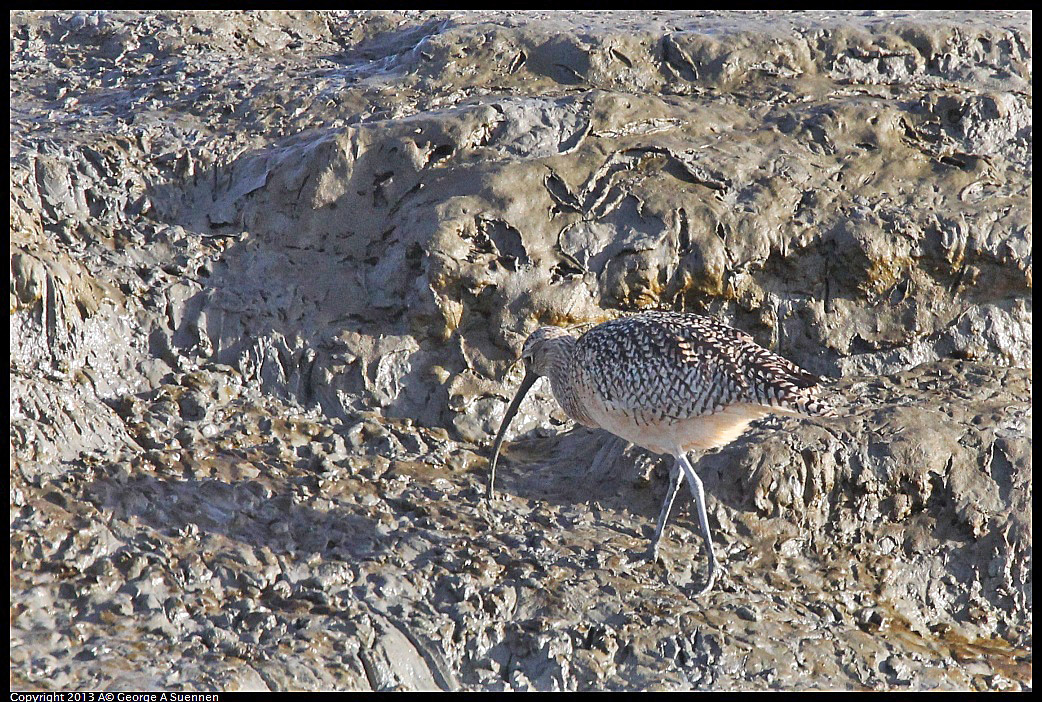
667,382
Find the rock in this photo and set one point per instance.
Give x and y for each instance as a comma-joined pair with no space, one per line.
271,272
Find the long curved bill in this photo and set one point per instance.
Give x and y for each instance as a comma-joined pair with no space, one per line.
526,384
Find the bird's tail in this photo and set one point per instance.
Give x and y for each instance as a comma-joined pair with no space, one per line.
812,401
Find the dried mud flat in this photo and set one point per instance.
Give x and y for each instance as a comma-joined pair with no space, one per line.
270,273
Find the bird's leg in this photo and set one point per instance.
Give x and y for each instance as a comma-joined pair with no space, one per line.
675,481
703,520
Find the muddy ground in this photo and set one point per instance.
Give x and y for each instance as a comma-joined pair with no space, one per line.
270,273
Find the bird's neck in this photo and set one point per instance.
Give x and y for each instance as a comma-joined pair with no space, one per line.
563,374
559,354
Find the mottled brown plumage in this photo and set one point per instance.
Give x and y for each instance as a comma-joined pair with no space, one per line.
667,382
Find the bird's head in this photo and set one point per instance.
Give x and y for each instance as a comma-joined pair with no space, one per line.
543,347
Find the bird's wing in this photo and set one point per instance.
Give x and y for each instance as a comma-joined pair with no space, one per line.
684,365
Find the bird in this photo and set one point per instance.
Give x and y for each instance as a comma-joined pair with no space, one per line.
669,382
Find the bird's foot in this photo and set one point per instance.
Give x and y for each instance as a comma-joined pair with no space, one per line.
714,572
658,565
653,556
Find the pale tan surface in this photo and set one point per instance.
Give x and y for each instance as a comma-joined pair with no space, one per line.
705,432
269,272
